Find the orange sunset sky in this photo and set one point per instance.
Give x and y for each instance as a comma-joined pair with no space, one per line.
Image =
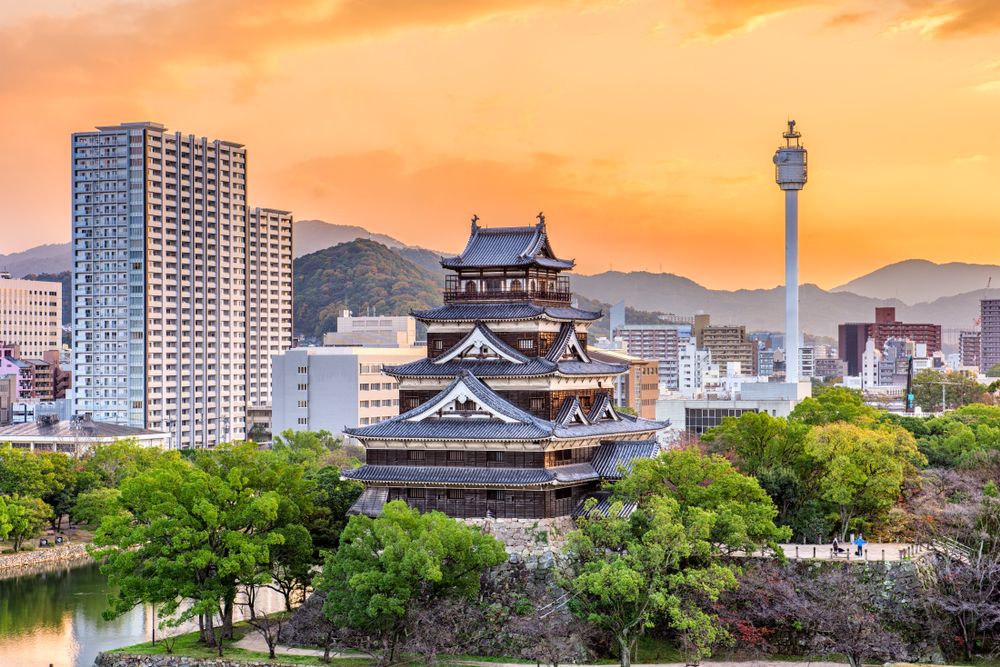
643,129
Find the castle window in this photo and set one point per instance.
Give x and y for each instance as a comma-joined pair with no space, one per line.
564,455
456,456
494,456
414,493
525,344
456,494
415,455
563,494
494,495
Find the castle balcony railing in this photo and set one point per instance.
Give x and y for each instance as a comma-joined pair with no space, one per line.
557,292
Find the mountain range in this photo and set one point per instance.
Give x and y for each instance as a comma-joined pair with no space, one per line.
920,290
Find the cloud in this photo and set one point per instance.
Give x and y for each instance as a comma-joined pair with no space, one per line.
952,18
597,212
127,46
992,87
724,18
846,19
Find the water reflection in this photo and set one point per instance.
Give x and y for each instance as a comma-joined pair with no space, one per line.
53,617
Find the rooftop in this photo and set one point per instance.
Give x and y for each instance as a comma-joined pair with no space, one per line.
507,246
69,429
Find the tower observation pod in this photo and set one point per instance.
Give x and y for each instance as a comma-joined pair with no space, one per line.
790,174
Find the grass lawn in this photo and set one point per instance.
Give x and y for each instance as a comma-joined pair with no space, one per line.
188,646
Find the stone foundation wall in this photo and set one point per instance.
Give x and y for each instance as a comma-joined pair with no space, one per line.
535,542
126,660
26,560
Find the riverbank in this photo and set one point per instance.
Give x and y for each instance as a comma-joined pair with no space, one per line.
37,560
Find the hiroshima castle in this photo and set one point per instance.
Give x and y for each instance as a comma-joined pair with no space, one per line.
507,416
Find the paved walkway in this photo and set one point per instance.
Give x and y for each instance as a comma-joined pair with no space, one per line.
875,551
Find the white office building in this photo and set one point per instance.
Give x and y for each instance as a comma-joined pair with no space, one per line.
171,276
330,388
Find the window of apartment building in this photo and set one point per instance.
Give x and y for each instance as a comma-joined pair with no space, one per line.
302,370
303,387
303,404
364,404
365,421
365,387
303,420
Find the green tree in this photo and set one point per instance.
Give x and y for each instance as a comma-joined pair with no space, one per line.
738,512
862,470
960,389
629,574
110,464
834,404
994,371
759,441
386,566
5,524
188,535
59,473
26,516
334,496
291,561
20,473
91,507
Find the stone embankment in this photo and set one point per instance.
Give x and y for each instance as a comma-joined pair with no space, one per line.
534,542
25,562
128,660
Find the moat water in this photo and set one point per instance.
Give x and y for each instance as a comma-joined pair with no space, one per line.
53,617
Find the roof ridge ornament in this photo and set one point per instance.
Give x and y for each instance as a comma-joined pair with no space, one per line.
475,220
541,219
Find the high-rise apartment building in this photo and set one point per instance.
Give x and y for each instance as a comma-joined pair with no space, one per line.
269,298
989,332
30,315
657,341
729,343
168,264
969,344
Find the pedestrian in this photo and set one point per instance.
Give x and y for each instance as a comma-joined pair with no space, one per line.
860,544
836,547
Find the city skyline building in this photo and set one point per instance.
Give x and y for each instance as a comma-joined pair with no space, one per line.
167,260
30,315
989,331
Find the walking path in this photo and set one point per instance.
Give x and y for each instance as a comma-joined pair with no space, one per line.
875,551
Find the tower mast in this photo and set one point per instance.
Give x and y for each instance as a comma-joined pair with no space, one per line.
790,175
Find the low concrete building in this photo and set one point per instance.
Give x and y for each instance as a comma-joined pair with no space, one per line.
330,388
639,388
695,416
372,332
76,436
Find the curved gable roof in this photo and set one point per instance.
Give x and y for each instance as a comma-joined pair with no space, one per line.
507,246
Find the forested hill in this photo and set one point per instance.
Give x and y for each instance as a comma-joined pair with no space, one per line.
361,276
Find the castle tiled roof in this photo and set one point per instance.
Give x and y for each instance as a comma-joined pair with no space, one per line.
469,476
615,457
601,506
370,502
535,367
481,334
495,419
507,246
503,312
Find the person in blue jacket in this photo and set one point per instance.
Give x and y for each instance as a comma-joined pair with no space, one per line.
860,543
